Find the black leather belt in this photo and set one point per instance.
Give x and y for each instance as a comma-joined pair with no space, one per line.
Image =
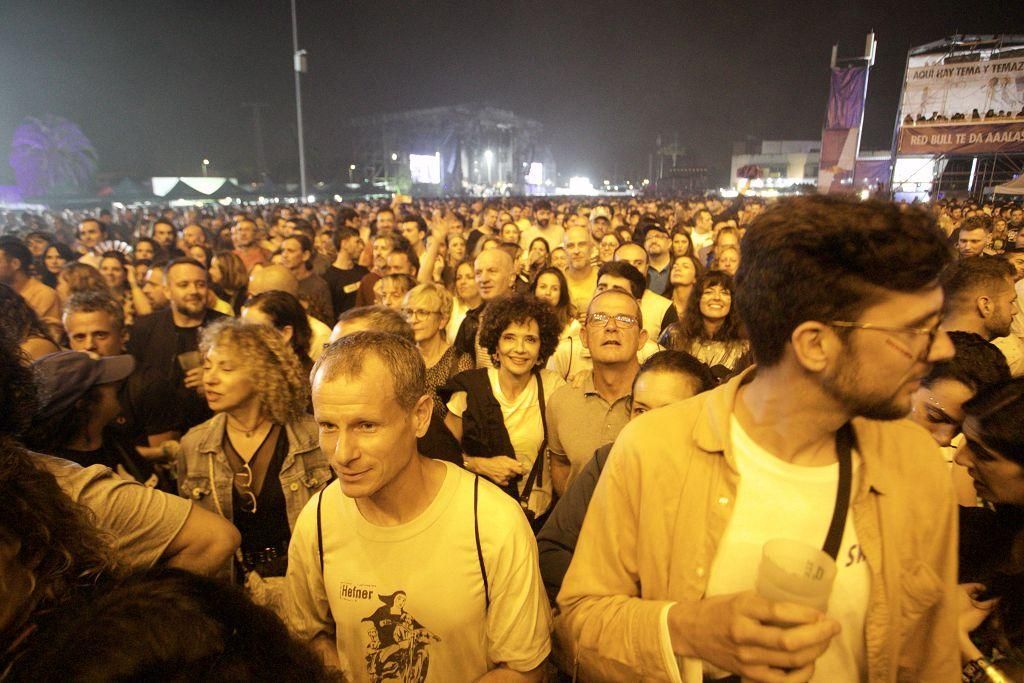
254,560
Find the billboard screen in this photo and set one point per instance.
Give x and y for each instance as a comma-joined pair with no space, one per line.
425,168
933,86
962,104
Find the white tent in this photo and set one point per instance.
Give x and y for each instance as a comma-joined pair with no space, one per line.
1015,186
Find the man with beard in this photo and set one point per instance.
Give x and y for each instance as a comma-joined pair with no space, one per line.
808,447
981,299
168,339
166,236
543,227
243,236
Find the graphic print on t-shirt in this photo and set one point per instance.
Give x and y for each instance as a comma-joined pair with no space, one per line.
397,644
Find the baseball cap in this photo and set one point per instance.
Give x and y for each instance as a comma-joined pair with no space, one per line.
66,376
600,211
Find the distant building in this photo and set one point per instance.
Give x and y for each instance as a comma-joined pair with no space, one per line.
471,149
775,164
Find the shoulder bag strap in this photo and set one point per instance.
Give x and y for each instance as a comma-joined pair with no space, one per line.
479,551
536,475
844,449
320,530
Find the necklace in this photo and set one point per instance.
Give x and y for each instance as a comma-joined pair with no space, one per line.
248,432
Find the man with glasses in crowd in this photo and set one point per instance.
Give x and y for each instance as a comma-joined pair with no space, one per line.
808,446
593,409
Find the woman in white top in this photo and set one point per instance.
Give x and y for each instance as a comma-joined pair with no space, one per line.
520,332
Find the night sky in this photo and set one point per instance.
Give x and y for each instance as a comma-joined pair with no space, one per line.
159,86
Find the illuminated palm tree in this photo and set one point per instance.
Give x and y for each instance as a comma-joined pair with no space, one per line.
51,155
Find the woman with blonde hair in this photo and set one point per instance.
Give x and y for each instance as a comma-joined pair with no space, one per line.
78,277
427,308
257,461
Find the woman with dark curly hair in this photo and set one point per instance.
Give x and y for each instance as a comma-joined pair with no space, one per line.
257,461
50,553
498,413
710,329
22,323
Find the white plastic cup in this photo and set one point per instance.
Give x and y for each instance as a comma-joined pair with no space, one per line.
792,571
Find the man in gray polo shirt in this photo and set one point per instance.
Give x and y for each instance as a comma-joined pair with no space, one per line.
591,410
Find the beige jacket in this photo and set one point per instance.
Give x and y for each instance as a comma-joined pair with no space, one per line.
664,500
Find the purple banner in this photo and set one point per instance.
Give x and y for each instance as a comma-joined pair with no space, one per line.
968,138
846,97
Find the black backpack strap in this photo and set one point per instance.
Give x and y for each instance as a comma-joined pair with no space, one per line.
320,531
844,447
479,551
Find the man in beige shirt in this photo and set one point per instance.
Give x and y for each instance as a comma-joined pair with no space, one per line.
661,586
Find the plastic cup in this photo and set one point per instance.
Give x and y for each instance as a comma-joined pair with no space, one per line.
189,360
792,571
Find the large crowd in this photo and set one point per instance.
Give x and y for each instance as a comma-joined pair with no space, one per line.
513,440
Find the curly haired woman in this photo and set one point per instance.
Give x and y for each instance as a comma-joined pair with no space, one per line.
497,413
257,460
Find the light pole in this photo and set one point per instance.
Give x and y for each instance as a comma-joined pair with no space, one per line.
351,168
206,165
299,59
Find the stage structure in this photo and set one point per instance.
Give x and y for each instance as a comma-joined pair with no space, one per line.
844,120
464,149
960,126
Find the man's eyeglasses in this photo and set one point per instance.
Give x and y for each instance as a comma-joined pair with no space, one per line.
417,313
621,320
930,332
243,479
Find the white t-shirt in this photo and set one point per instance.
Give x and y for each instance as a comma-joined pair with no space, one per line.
776,499
407,601
552,234
524,426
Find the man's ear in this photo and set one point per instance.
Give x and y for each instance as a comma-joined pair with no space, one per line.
583,336
643,338
814,344
421,413
984,306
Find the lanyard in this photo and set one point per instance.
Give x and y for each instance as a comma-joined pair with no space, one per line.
844,446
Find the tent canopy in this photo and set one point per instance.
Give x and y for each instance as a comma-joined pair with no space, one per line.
1015,186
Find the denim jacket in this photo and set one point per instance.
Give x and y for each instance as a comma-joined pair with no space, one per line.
201,459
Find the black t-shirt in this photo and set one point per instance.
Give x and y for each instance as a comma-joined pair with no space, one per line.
157,343
475,235
344,285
